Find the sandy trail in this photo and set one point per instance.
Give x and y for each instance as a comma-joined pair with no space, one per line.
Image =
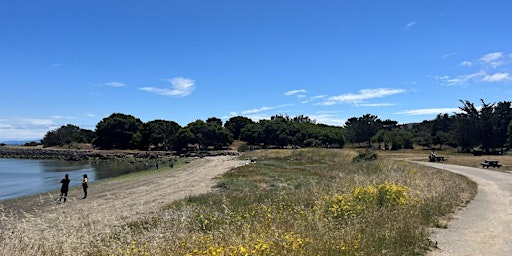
127,200
485,225
114,203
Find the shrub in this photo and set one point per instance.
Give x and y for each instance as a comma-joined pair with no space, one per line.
366,155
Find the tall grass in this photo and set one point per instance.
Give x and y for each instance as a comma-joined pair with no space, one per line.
289,202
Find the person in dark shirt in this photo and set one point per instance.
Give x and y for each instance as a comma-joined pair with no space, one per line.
64,188
85,184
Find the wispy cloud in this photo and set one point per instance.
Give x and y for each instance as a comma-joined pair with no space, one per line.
466,64
63,117
260,113
295,92
180,87
115,84
448,55
375,104
498,77
487,72
480,76
410,24
362,95
314,98
263,109
493,59
429,111
56,65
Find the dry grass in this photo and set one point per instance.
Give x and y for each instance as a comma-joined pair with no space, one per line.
279,205
453,157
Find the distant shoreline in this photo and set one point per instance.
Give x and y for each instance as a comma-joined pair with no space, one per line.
88,154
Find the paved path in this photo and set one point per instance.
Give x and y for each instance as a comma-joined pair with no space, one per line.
484,227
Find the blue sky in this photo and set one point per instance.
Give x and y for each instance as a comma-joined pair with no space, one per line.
77,62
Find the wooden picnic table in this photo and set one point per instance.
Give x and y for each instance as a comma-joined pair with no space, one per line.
491,163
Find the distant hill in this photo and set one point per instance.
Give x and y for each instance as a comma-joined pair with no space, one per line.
17,142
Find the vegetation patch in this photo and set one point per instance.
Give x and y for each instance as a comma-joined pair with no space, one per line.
294,202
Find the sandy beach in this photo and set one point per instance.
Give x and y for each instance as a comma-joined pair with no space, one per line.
109,203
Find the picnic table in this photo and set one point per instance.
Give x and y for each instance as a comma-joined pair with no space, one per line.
491,163
440,158
436,158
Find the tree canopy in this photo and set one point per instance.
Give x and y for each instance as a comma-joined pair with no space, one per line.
488,126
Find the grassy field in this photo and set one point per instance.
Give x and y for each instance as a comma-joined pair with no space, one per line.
298,202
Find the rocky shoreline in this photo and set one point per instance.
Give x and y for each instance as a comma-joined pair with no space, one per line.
78,154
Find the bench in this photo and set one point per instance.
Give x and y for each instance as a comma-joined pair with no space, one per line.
491,163
437,158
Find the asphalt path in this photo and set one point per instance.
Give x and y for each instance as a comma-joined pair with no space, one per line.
484,227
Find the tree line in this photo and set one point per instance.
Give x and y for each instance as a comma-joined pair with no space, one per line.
121,131
488,127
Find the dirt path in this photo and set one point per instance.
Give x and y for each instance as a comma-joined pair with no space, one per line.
113,203
484,227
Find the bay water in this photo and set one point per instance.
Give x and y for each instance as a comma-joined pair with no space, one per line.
23,177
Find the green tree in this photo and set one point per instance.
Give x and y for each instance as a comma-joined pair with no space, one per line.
501,121
252,133
118,131
214,120
399,139
161,134
484,126
509,135
67,134
466,126
205,135
362,129
236,124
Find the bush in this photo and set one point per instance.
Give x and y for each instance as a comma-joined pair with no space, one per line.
366,155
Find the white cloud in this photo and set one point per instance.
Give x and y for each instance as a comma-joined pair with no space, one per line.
466,64
375,104
498,77
429,111
493,59
448,55
364,94
327,118
480,76
180,87
257,114
63,117
263,109
410,24
25,128
294,92
314,98
115,84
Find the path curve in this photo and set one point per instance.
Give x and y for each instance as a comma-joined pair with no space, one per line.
484,227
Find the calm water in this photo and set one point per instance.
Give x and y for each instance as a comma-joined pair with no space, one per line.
21,177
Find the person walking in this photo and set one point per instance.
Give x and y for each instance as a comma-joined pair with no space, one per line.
64,188
85,184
